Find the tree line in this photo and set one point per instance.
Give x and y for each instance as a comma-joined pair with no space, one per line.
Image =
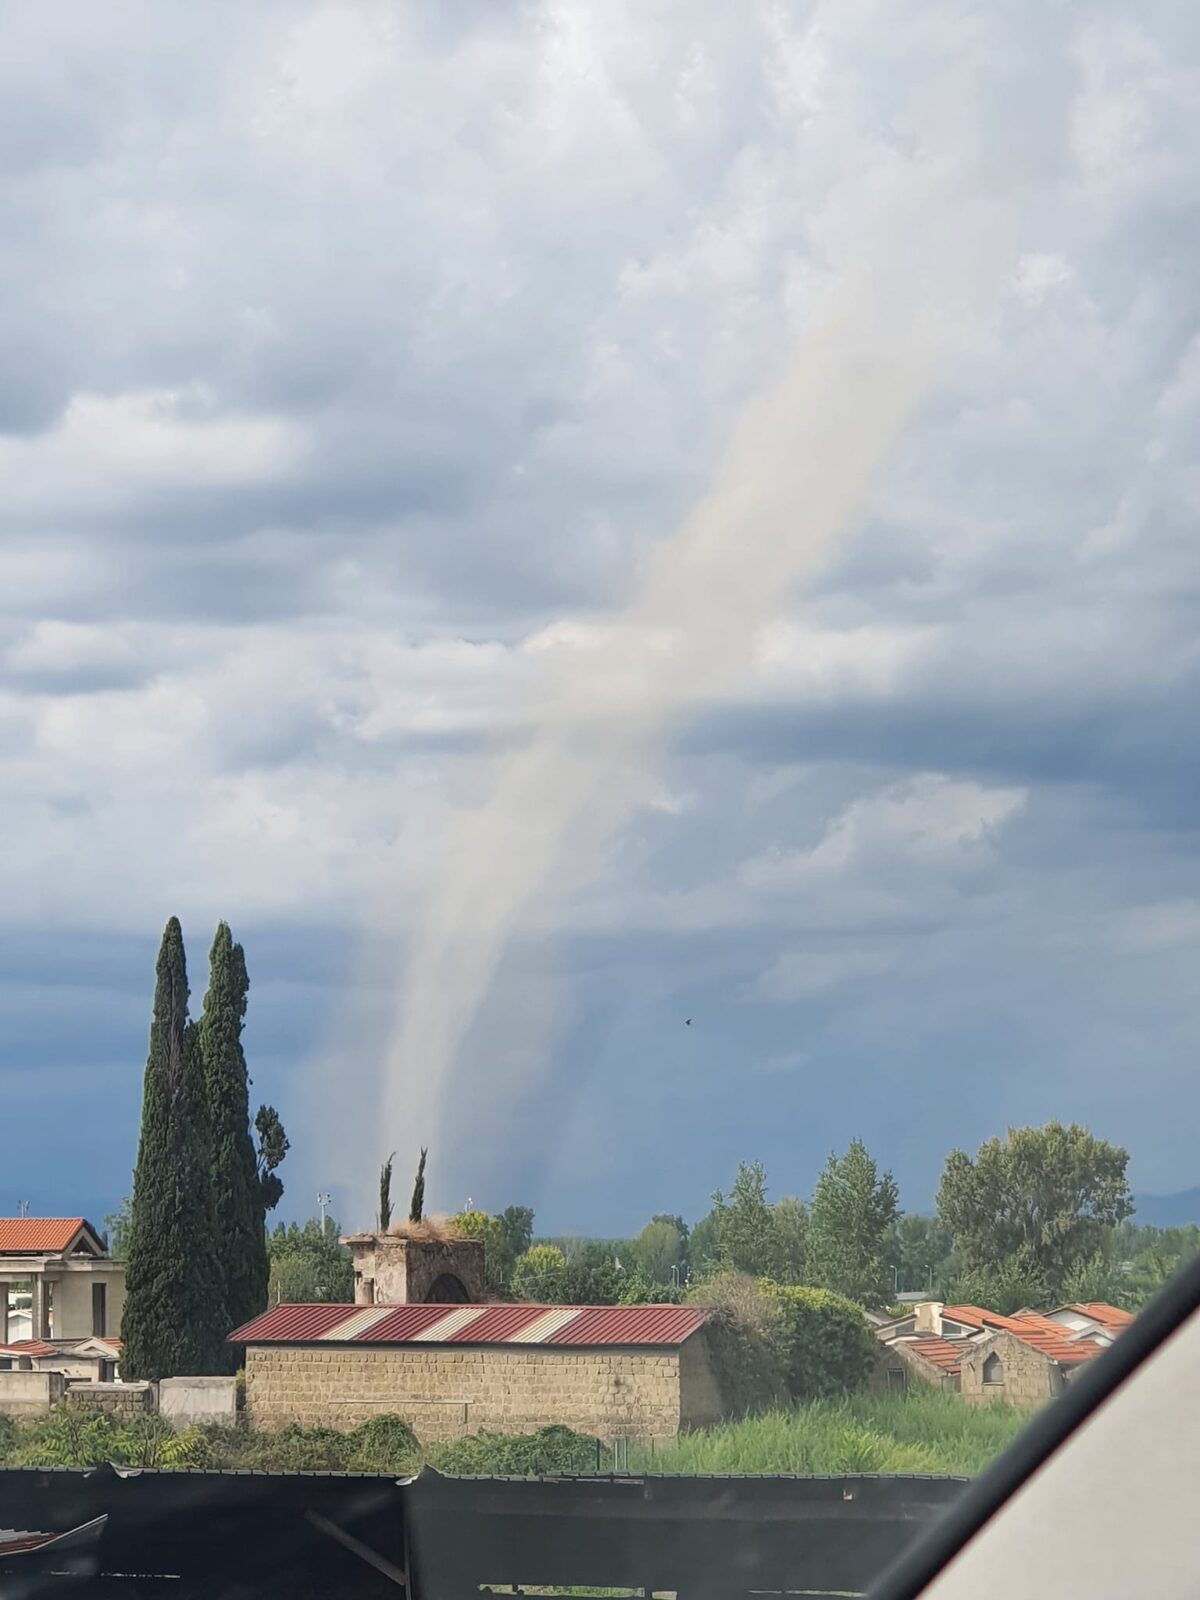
193,1230
1040,1214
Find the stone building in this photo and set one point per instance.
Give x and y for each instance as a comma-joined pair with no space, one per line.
394,1269
641,1372
1025,1359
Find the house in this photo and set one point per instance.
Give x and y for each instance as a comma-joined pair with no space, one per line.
641,1372
1024,1359
77,1291
85,1360
1094,1318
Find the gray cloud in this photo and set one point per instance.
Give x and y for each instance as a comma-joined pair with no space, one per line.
347,352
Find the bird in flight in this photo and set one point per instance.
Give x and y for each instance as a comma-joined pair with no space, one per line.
687,1022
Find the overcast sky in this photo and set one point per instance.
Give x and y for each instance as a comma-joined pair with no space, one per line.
351,355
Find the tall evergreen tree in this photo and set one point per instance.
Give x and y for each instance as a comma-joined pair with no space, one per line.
237,1194
174,1320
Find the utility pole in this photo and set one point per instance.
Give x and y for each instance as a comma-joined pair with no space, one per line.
322,1202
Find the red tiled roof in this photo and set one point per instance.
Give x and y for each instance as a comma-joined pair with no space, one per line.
944,1353
1032,1329
29,1347
1100,1311
37,1235
490,1324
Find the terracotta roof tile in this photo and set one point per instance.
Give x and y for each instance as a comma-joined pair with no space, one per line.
943,1353
37,1235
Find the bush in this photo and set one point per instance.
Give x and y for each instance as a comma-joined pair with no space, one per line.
384,1444
546,1452
296,1449
8,1438
142,1442
72,1436
824,1343
744,1340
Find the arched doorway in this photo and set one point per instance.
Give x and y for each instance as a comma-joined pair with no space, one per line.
447,1290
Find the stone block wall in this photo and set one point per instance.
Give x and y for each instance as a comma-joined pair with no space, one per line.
121,1400
899,1357
1029,1378
444,1392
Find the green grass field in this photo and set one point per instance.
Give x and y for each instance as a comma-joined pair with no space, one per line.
864,1433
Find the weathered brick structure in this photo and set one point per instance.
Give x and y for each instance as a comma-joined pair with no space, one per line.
394,1270
615,1372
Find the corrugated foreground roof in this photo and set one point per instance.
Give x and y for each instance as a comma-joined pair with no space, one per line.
33,1235
496,1324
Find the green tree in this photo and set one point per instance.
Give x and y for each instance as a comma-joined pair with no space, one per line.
1047,1194
826,1346
1004,1286
745,1232
853,1208
540,1275
496,1260
516,1223
592,1277
919,1254
174,1320
385,1194
657,1249
416,1209
309,1263
116,1229
237,1193
791,1240
273,1145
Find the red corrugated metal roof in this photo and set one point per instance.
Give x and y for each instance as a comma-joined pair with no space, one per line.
404,1323
284,1324
630,1325
496,1324
37,1235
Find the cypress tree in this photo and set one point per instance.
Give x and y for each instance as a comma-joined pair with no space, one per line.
417,1209
238,1209
174,1320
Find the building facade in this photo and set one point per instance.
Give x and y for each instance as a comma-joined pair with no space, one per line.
76,1290
640,1372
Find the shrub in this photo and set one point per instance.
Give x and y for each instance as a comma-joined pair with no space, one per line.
383,1444
744,1340
8,1438
296,1449
190,1449
550,1450
142,1442
824,1343
72,1436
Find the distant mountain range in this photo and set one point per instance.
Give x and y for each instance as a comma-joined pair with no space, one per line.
1167,1210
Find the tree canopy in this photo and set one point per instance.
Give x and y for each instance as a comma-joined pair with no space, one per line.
853,1208
1046,1195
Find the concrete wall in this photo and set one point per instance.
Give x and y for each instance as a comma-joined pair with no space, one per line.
73,1300
184,1401
121,1400
29,1394
700,1400
444,1392
1029,1378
